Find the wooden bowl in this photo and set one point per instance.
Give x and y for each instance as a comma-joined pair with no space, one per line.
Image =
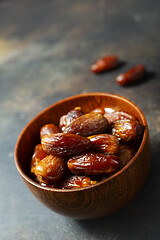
104,197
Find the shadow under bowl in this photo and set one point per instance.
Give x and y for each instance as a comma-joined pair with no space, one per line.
104,197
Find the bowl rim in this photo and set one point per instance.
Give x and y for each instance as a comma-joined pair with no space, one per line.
46,188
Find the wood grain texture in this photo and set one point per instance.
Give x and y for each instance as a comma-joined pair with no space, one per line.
105,197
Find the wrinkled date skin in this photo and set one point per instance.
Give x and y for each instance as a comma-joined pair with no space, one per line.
78,182
127,130
113,115
126,154
105,64
88,124
65,120
93,164
118,115
38,155
133,75
49,129
65,144
50,169
105,143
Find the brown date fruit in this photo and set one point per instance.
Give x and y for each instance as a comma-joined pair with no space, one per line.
113,115
38,155
77,182
93,164
65,120
118,115
49,129
126,154
133,75
103,110
74,114
105,143
127,130
65,144
88,124
104,64
50,170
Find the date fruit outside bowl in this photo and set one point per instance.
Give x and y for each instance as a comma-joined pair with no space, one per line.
102,198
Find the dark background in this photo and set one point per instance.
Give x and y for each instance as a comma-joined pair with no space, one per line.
46,49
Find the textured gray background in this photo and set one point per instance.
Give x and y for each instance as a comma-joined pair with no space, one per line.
46,49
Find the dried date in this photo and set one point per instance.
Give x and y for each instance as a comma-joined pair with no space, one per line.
103,110
65,144
65,120
133,75
77,182
127,130
93,164
38,155
105,143
88,124
50,170
49,129
113,115
118,115
105,64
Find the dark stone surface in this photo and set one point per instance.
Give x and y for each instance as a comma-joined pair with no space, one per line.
46,49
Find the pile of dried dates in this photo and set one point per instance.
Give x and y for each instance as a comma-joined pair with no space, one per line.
85,148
